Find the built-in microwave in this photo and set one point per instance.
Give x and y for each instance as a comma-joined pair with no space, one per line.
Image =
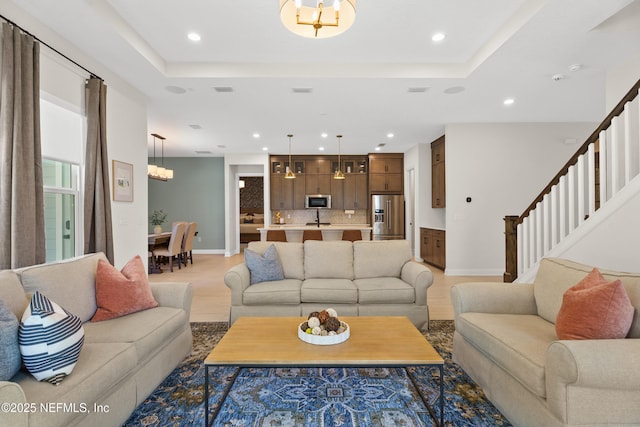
317,201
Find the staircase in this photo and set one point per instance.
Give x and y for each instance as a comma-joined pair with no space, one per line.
597,181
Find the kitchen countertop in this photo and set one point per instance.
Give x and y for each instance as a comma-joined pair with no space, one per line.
315,227
294,232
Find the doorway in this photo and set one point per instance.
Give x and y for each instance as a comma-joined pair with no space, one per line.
251,207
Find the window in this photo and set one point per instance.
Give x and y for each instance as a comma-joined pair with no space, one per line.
61,196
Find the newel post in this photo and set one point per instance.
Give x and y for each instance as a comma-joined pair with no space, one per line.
511,248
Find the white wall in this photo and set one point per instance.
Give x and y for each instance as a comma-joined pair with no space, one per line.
502,167
619,80
126,126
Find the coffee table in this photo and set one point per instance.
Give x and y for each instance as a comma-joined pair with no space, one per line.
273,342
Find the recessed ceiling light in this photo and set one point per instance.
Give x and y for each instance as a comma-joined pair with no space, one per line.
221,146
575,67
417,89
321,148
438,37
256,135
378,148
194,37
302,89
195,126
265,148
453,90
390,135
203,152
223,89
175,89
324,134
509,101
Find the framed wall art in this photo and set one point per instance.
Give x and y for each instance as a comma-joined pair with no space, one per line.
122,181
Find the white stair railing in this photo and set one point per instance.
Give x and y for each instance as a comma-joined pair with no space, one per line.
609,159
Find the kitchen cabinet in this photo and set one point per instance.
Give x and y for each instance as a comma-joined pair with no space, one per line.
386,173
317,183
433,247
438,185
281,192
355,191
318,165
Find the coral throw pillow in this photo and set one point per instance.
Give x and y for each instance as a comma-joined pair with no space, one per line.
122,292
595,309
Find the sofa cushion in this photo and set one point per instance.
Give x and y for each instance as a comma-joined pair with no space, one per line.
285,291
10,359
12,292
384,290
119,293
50,339
100,368
328,259
53,281
556,275
517,343
380,258
146,330
291,256
265,267
595,309
329,291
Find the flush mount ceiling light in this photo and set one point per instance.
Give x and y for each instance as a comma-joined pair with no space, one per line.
158,172
290,174
310,18
339,174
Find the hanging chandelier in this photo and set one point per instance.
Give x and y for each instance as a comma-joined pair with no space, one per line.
317,21
339,174
290,174
159,172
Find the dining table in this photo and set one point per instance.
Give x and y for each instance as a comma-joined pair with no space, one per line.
154,241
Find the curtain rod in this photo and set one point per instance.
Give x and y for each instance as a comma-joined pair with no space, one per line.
92,74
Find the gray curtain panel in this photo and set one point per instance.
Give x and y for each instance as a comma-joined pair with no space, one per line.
98,235
22,238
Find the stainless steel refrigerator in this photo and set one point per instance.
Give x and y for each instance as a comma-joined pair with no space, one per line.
387,217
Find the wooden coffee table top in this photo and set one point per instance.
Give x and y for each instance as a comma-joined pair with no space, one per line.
273,341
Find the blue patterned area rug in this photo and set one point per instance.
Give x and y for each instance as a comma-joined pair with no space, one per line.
309,397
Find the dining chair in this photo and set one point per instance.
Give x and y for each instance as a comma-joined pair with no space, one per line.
311,235
187,242
173,250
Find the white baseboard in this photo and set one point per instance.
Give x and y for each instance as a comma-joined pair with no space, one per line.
473,272
209,251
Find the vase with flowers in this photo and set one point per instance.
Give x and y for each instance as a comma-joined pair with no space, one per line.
157,218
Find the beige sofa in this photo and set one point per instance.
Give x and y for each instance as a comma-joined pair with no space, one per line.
122,360
505,339
362,278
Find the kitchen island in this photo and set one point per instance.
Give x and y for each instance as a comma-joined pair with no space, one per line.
329,232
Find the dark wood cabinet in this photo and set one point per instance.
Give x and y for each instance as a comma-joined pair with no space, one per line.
317,183
433,247
438,185
355,192
281,192
386,173
318,165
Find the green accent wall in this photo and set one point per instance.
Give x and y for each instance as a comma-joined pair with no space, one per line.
196,193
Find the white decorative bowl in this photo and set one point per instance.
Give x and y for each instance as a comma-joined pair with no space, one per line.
327,339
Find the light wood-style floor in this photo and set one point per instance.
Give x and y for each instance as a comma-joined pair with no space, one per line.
211,297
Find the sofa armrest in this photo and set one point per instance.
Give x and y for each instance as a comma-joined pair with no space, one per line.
489,297
237,279
418,276
608,367
173,294
11,393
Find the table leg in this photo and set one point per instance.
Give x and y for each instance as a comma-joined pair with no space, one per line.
439,422
227,389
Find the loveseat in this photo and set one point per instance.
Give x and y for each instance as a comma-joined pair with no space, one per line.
361,278
505,339
121,361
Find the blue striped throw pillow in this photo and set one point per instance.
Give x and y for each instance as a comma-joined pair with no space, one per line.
50,339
